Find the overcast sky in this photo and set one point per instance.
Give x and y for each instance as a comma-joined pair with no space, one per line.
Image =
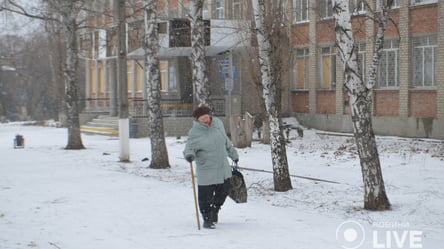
15,24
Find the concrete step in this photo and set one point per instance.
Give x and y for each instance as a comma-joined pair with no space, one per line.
103,124
99,130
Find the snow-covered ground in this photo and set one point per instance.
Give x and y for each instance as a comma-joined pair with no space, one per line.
87,199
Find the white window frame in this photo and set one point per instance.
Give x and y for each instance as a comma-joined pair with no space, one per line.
395,5
101,43
357,7
325,9
236,9
362,60
431,44
300,11
422,2
219,9
282,8
390,46
205,11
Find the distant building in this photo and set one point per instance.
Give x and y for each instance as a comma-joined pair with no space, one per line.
408,97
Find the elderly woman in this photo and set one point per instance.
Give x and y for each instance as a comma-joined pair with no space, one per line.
209,145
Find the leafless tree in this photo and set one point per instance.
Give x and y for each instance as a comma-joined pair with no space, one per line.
67,13
360,93
159,152
198,61
267,61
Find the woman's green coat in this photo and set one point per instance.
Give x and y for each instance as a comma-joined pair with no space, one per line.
210,147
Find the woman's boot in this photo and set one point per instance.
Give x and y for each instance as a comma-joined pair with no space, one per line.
208,220
215,212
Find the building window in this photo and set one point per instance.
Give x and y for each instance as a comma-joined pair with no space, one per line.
420,2
172,77
140,76
220,7
281,7
300,11
205,12
100,44
357,7
395,4
93,79
301,68
389,64
362,60
168,76
130,76
325,9
237,9
102,72
328,68
424,61
163,67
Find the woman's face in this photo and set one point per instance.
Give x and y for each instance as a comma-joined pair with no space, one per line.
204,119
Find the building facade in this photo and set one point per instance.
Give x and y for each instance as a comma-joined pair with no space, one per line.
224,47
408,96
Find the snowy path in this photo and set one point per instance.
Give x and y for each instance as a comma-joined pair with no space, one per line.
54,198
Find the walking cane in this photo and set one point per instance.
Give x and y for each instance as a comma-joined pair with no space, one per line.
195,198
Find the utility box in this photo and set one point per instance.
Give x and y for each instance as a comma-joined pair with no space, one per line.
19,142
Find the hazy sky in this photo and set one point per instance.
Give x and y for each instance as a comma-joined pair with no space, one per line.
16,24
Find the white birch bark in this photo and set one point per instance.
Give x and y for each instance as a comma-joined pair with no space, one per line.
69,11
159,153
282,181
375,197
198,61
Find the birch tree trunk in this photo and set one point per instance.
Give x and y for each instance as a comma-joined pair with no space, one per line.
69,12
159,153
375,197
281,176
66,12
198,61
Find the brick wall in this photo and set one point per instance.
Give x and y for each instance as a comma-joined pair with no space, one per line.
392,27
325,31
325,102
301,34
386,103
299,101
422,104
424,18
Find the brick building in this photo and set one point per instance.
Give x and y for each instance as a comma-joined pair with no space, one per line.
408,96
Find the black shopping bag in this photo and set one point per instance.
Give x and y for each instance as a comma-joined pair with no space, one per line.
238,189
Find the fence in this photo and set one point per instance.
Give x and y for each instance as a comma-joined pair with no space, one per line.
138,107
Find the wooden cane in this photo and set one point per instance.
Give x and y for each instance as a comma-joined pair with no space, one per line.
195,196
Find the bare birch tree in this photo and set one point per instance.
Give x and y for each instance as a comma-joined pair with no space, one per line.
360,93
281,175
198,61
67,12
159,153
